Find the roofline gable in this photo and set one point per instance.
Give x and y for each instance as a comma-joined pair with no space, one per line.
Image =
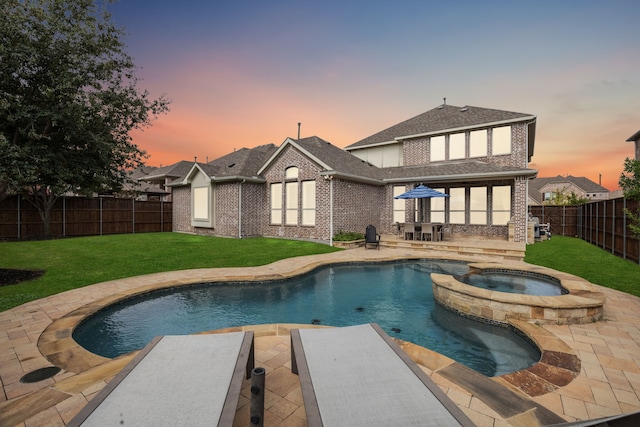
283,146
189,175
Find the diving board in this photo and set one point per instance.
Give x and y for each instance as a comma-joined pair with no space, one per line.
359,376
176,380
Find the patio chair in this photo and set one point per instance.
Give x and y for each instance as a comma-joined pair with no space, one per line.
359,376
426,232
185,380
371,237
410,230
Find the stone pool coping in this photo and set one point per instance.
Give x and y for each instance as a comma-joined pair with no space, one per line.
557,367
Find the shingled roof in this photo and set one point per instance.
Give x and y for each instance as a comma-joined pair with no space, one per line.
585,184
442,119
635,137
245,162
455,170
336,160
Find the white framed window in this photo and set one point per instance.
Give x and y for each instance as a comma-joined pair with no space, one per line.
457,205
437,207
291,203
436,148
201,203
478,143
478,205
291,173
276,203
399,205
457,146
500,205
501,140
308,203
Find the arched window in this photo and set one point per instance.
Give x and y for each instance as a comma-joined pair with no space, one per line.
291,173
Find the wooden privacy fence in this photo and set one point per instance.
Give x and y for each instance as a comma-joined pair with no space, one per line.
563,220
601,223
79,216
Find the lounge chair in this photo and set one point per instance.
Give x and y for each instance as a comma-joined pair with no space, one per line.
371,237
186,380
359,376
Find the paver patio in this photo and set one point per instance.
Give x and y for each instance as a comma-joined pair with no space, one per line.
608,381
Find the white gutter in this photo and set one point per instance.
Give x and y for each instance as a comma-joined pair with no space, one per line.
463,177
351,177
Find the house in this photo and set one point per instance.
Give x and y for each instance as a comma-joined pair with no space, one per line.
310,189
542,190
635,138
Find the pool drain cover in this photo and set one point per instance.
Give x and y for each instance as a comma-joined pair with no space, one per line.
40,374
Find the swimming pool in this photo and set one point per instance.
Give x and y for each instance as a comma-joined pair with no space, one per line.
396,295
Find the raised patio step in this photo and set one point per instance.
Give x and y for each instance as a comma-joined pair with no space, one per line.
463,248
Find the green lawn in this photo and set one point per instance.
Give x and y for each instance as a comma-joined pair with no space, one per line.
76,262
583,259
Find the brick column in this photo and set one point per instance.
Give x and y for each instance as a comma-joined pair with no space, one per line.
520,210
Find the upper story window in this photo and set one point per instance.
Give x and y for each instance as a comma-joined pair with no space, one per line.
478,143
437,148
291,173
501,140
457,145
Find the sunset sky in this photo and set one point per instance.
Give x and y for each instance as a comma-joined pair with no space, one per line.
244,73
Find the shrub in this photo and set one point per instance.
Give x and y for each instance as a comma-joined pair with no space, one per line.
343,236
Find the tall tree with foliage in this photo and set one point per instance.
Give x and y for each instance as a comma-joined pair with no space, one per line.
68,101
630,183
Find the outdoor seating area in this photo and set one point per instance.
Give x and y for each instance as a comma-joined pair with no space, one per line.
424,232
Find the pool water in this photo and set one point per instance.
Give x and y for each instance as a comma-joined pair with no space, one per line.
513,283
396,295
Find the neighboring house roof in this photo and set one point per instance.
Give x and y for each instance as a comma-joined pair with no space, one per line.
536,186
137,183
452,171
635,137
171,172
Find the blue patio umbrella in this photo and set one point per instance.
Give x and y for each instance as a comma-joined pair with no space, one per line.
421,192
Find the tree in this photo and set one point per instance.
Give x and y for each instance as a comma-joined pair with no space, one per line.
560,197
630,183
68,101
